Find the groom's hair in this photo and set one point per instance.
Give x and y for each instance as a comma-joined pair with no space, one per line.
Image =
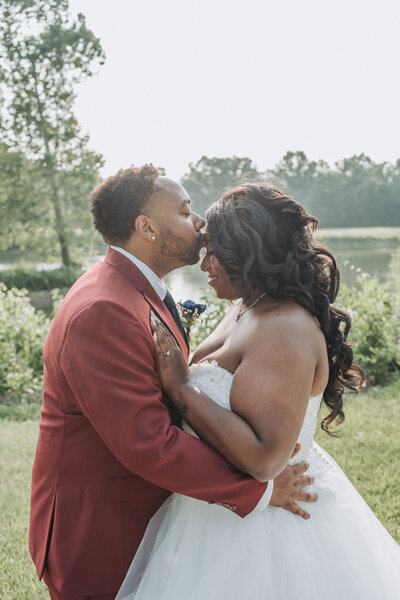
120,199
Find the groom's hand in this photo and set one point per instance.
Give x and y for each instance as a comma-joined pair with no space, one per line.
288,489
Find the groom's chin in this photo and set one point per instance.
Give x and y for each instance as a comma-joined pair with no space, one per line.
192,260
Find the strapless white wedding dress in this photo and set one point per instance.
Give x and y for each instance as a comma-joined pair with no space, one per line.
193,550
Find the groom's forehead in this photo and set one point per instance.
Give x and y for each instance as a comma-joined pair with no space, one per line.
169,189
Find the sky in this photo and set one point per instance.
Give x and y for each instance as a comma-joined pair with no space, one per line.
187,78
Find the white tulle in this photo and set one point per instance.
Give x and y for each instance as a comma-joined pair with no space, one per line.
197,551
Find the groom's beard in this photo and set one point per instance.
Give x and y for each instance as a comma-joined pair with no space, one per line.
173,245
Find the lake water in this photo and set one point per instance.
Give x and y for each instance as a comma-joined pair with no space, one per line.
353,256
369,255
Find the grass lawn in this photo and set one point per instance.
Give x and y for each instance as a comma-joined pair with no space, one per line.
368,450
18,579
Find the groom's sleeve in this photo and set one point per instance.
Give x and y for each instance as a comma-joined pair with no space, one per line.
111,366
266,497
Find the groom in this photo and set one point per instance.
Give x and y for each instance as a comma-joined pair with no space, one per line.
110,449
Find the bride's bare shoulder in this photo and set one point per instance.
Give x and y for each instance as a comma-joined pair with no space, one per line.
283,323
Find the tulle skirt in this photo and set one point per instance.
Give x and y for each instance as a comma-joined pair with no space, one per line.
198,551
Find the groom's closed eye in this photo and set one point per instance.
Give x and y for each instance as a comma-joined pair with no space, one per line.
185,207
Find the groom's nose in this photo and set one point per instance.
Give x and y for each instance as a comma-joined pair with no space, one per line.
198,221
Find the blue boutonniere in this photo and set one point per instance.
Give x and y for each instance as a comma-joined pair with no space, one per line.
189,312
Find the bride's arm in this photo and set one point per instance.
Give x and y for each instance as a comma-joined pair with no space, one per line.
269,397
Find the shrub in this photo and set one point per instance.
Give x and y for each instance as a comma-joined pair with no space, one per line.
22,332
375,309
208,321
395,268
64,277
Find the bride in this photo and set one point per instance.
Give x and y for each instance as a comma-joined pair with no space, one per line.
254,389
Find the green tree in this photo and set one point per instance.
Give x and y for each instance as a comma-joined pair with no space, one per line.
296,173
311,183
210,177
357,193
15,186
44,54
365,193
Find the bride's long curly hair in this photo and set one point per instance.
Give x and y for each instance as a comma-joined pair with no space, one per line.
264,240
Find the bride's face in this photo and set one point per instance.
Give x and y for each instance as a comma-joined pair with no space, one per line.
218,278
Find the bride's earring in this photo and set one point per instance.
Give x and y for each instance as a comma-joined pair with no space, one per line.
153,237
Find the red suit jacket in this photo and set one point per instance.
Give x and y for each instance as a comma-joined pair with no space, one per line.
110,449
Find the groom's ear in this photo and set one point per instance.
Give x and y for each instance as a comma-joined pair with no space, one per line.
146,228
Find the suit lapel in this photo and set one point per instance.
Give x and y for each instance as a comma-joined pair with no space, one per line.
142,284
163,313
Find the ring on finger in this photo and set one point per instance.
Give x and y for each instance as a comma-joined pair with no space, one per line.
167,353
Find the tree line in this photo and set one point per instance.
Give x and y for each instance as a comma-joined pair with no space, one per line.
356,192
47,169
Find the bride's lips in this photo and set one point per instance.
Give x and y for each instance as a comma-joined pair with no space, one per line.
212,279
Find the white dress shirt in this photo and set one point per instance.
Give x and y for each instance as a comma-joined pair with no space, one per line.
152,278
161,290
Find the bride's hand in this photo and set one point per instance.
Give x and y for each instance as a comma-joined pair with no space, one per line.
173,365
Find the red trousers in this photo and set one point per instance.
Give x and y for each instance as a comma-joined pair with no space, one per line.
54,595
